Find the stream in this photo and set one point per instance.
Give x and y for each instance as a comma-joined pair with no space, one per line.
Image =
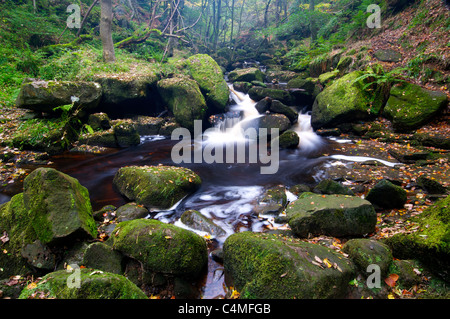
228,192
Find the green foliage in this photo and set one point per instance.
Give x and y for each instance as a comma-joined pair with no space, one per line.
377,76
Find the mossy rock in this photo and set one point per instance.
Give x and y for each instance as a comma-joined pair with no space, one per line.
243,87
44,96
289,140
246,75
410,106
344,101
161,248
101,139
60,206
333,215
197,221
147,126
126,133
258,93
137,92
388,55
184,99
156,186
330,187
131,211
99,121
101,256
16,222
53,136
210,79
387,195
328,77
268,122
272,201
280,108
366,252
431,243
264,266
431,186
94,284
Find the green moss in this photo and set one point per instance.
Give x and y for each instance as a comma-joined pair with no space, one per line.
16,222
184,99
366,252
209,77
160,247
156,186
431,243
274,267
410,106
335,215
94,284
60,205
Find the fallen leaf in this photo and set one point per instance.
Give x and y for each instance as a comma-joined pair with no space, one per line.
391,280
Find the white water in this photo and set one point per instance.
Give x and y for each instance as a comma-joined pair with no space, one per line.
230,130
309,140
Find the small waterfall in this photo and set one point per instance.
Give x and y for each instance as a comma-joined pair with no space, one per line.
228,128
309,140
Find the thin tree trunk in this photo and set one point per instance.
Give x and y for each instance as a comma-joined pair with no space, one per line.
106,31
86,16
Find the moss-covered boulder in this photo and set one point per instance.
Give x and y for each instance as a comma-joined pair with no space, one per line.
156,186
272,201
125,133
131,211
430,244
334,215
366,252
44,96
101,139
279,108
243,87
246,75
161,248
388,55
410,106
184,99
330,187
94,284
99,121
303,90
387,195
197,221
325,78
129,94
210,79
60,206
266,123
146,125
258,93
16,225
102,257
344,101
289,140
264,266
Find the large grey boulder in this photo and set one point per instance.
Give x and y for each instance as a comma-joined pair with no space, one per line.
333,215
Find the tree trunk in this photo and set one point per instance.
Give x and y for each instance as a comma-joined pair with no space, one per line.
106,31
85,17
266,14
312,22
